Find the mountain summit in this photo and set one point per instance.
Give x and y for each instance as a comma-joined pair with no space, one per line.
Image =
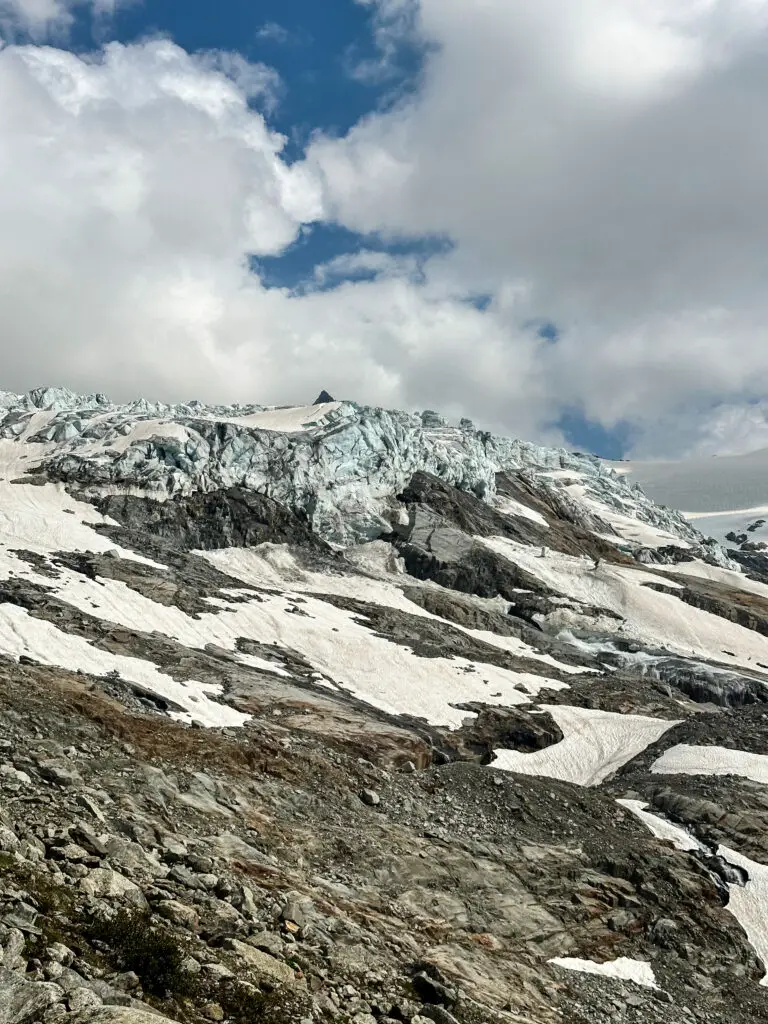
332,713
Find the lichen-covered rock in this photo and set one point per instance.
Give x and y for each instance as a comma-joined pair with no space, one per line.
23,1001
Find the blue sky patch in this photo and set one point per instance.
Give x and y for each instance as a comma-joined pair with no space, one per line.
594,439
322,243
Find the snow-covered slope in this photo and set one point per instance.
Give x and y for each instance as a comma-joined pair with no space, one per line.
420,594
719,495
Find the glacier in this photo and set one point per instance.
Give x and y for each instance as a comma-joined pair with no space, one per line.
340,464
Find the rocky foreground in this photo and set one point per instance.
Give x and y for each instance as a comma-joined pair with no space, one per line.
344,742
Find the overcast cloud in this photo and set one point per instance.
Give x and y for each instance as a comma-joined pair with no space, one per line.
601,164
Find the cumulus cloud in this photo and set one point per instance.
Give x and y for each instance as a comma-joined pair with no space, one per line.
134,187
604,160
597,164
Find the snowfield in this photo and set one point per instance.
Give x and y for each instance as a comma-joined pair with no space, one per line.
653,618
691,760
349,655
595,745
22,634
273,566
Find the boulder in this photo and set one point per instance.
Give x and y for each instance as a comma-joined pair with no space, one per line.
22,1001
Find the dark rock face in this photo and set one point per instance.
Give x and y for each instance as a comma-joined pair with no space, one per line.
507,729
323,398
218,519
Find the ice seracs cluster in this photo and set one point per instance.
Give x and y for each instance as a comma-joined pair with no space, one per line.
339,463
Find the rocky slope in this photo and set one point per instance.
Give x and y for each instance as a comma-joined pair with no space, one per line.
338,714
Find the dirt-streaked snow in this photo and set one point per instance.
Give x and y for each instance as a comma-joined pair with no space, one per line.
685,759
595,744
623,969
749,903
655,619
660,827
378,671
273,565
23,634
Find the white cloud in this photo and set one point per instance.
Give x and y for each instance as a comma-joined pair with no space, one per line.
132,187
271,30
605,161
598,163
40,19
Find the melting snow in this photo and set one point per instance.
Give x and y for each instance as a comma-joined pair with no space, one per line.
274,566
623,969
595,744
22,634
378,671
656,619
660,827
749,903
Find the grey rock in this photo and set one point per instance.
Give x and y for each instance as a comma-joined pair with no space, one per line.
22,1001
262,964
116,1015
132,860
83,999
105,883
267,942
60,774
179,914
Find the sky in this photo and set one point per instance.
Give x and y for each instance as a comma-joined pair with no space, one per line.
550,216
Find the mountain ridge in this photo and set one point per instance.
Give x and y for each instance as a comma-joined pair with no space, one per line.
363,717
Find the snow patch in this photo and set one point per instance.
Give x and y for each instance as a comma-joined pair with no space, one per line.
595,745
510,507
22,634
662,828
749,903
685,759
623,969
